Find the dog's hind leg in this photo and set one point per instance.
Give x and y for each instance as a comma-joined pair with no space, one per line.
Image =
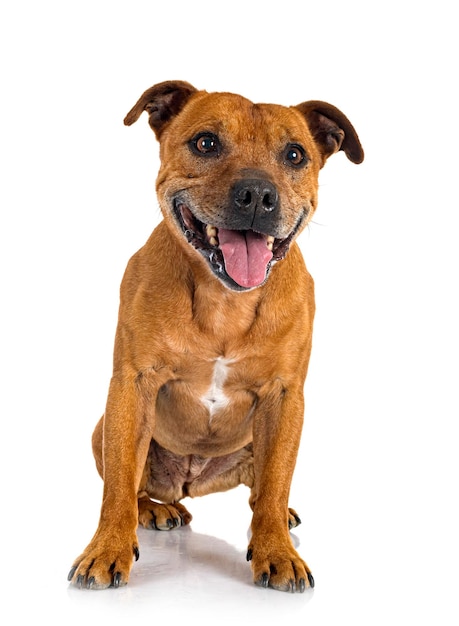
293,519
97,439
161,516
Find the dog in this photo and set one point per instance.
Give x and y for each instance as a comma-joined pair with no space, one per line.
214,330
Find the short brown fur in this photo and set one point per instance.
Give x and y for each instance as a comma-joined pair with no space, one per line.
208,375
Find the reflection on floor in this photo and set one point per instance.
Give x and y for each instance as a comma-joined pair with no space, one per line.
198,570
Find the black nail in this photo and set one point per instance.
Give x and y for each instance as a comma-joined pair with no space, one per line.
311,580
264,580
249,554
71,573
80,581
297,519
90,583
136,553
302,585
117,580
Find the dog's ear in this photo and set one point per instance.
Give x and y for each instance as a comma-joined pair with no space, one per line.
162,102
331,129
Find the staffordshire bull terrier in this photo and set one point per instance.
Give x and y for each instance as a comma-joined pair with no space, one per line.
215,325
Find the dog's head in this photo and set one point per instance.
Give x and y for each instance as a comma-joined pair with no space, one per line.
239,180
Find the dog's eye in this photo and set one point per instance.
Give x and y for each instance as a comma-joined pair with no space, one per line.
206,144
295,155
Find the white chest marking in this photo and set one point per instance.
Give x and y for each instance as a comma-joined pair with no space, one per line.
214,399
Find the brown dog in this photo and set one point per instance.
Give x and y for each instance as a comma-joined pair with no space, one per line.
214,329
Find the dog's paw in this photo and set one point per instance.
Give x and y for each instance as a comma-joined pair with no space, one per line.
162,516
104,563
293,519
276,564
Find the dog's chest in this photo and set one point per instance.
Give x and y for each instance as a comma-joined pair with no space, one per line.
215,399
207,408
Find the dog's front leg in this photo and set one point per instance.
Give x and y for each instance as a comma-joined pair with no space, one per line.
277,429
127,431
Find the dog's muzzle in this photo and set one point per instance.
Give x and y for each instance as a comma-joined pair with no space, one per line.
243,247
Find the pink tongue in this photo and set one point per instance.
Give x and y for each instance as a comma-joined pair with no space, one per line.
246,256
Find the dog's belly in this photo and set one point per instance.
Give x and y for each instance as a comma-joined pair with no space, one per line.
170,477
203,433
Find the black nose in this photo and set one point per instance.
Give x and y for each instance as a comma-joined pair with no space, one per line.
254,195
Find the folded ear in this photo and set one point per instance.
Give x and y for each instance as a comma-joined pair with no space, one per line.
162,102
331,130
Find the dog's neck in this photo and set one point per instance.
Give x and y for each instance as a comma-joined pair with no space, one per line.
223,312
221,316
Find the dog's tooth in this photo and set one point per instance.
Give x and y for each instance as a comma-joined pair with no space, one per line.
211,232
269,245
269,239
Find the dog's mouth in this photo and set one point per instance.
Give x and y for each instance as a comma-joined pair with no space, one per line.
241,259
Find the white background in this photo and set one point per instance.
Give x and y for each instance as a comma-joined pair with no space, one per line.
376,479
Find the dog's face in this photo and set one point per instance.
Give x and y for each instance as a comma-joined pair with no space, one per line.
238,181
